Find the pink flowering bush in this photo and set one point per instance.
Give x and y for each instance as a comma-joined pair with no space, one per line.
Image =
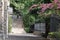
54,5
56,1
46,6
44,11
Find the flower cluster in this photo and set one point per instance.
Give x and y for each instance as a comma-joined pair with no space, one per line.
56,1
48,6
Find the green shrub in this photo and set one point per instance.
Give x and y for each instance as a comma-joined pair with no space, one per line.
58,34
28,20
54,34
9,24
27,29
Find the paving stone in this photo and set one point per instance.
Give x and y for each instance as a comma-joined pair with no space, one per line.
23,38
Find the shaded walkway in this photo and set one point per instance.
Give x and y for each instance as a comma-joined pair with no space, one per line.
17,26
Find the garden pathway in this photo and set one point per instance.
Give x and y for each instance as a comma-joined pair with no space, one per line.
18,26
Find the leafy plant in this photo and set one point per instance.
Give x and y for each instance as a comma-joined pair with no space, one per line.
27,29
54,34
9,24
58,34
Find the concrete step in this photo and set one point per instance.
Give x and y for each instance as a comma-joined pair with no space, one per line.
18,31
23,37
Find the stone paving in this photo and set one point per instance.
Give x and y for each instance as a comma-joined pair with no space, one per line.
17,26
24,37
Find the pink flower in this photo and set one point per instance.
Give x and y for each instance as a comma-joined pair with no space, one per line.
46,6
43,9
50,5
56,1
58,6
43,5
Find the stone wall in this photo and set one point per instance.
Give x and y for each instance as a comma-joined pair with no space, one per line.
4,17
6,5
0,13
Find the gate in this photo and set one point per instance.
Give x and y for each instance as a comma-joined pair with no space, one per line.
55,23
